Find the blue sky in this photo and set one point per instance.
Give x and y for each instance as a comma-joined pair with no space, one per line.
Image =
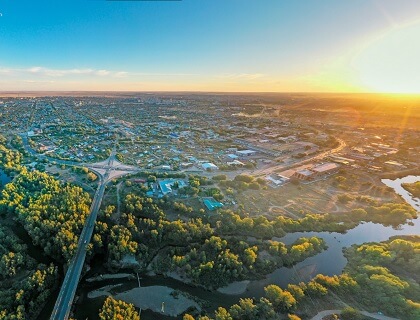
207,45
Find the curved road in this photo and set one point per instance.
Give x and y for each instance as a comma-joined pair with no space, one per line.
325,313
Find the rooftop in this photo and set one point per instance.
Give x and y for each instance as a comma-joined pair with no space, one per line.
211,204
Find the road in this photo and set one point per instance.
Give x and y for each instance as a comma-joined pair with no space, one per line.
284,167
377,316
68,289
65,298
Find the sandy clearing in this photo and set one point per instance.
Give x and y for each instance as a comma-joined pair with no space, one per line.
153,297
235,288
110,276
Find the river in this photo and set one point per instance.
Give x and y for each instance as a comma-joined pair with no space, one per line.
328,262
4,179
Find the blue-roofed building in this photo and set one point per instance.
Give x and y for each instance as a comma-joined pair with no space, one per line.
166,185
212,204
209,166
173,135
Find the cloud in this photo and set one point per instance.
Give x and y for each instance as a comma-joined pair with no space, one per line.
57,73
121,74
64,72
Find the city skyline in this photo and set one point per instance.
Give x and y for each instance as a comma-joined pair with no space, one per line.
235,46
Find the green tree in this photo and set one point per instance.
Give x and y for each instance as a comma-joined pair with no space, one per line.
117,310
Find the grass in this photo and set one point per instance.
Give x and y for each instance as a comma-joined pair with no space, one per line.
317,197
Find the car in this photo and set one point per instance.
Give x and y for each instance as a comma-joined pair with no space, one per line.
85,241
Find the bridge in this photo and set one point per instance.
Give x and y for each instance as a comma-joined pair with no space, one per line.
106,171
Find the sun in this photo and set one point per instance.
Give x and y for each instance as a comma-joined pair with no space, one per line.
391,63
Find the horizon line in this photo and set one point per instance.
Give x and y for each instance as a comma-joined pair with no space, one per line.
208,92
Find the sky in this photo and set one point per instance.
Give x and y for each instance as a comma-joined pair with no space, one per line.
211,45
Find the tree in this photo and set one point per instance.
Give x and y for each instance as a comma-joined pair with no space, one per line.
91,176
118,310
282,300
222,314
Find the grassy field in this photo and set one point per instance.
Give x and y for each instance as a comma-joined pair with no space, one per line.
321,196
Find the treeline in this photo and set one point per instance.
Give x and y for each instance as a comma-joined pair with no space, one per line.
387,274
24,299
218,262
241,223
10,160
278,301
51,212
413,188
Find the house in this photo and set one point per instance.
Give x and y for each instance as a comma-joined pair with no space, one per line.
167,185
209,166
277,180
246,153
232,156
235,163
211,204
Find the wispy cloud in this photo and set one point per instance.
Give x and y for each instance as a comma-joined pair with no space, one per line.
57,73
47,72
64,72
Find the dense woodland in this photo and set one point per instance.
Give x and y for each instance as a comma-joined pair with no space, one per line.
25,284
53,214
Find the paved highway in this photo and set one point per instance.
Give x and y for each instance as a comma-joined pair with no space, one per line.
65,298
68,289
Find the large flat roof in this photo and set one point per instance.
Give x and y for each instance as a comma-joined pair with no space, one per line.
325,167
305,172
